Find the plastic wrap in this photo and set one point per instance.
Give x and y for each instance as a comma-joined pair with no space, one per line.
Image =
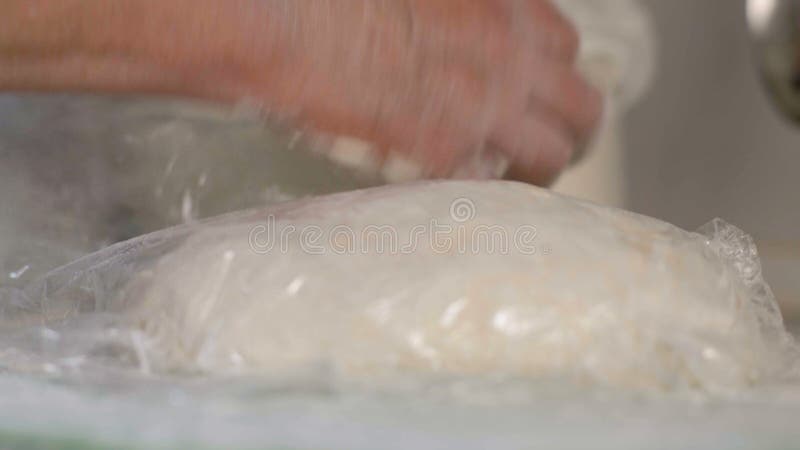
79,173
451,279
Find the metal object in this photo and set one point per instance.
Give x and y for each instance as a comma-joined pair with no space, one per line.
775,30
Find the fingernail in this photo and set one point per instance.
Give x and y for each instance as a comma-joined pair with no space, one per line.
399,169
354,154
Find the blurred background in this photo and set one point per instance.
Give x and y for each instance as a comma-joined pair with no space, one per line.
706,141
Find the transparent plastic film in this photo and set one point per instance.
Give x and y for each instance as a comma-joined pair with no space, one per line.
455,280
100,170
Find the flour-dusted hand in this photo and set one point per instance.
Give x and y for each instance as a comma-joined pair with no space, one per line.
436,81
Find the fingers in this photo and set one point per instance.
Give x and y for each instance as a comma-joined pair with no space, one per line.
469,76
545,111
564,91
404,137
552,33
537,123
539,145
545,108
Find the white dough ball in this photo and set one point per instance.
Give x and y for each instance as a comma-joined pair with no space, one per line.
403,280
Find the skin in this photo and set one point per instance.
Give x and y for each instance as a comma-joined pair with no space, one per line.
434,80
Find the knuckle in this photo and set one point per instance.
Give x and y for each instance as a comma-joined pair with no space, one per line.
592,106
570,39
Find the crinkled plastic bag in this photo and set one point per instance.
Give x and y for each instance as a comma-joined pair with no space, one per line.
448,279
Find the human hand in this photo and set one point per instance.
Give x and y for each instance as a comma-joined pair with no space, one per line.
433,80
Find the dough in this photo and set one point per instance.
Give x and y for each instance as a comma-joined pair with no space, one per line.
568,289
